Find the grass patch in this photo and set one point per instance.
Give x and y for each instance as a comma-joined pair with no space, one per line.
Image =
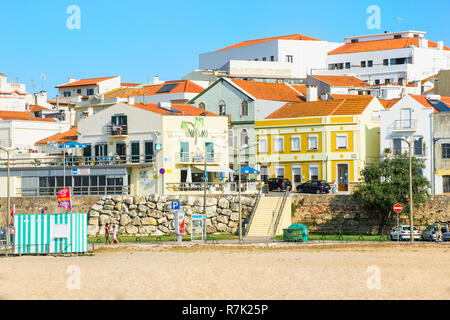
165,238
343,237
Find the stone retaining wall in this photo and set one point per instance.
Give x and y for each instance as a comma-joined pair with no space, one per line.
152,215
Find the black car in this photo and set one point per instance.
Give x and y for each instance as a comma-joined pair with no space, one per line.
314,186
279,184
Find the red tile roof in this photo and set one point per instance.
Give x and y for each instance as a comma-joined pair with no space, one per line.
22,115
346,106
63,137
128,84
424,101
252,42
269,91
342,81
300,88
35,108
378,45
387,104
183,109
60,102
84,82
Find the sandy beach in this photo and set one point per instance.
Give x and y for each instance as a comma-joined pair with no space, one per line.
216,271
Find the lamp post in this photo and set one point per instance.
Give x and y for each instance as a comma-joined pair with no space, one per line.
411,208
8,208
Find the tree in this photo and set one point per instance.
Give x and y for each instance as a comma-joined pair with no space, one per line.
387,183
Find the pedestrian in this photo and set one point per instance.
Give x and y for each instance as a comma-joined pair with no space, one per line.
107,232
334,186
438,232
114,235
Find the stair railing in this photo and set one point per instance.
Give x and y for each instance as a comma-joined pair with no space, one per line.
280,211
252,214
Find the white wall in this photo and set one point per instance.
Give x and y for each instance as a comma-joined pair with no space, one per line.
263,108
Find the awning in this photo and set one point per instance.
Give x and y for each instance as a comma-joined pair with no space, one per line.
214,169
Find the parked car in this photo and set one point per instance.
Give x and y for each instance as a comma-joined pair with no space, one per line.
314,186
429,234
446,236
403,233
279,184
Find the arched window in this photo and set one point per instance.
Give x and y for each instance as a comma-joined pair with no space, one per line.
244,108
244,137
230,138
202,105
222,108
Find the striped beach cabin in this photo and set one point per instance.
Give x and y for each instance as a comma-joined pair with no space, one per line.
50,233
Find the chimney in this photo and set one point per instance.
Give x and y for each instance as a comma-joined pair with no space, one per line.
57,103
155,79
72,79
440,45
423,43
130,100
311,93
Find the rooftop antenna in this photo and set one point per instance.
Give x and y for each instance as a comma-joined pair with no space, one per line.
33,86
43,78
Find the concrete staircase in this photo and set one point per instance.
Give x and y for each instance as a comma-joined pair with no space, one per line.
266,214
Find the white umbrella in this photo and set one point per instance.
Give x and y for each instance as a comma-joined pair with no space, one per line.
189,175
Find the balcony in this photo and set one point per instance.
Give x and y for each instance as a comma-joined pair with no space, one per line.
118,131
416,152
409,125
194,158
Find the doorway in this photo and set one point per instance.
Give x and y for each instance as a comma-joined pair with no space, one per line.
342,170
296,177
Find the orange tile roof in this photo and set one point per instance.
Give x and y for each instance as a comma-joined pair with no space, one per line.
378,45
435,76
424,101
342,81
322,108
300,88
269,91
184,109
128,84
63,137
387,104
54,102
22,115
252,42
84,82
35,107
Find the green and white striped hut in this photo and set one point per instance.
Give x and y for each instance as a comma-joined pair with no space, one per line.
50,233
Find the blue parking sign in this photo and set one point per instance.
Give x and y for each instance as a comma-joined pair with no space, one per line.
175,205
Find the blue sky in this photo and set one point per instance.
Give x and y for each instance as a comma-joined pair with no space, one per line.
138,39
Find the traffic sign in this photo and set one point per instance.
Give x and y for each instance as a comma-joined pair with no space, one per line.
398,208
158,146
162,171
175,205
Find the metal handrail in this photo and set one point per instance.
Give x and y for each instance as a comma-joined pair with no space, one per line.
280,211
252,213
76,190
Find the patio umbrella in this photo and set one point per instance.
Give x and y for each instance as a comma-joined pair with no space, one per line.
189,175
248,170
69,145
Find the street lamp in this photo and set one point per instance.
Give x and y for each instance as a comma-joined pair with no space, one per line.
411,208
8,209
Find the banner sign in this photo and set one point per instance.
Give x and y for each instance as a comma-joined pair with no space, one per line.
64,199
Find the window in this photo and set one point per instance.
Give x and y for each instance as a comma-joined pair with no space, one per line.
295,143
244,108
396,61
256,59
78,91
90,92
397,146
387,81
397,36
262,145
313,142
272,58
264,59
363,64
148,149
418,146
370,63
244,138
264,173
279,144
202,105
230,138
355,40
377,81
66,94
341,142
184,151
385,62
313,172
446,151
222,108
446,184
336,66
347,65
289,59
279,172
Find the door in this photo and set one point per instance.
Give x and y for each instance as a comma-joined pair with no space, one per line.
121,151
296,177
135,152
209,151
184,151
406,118
101,151
342,177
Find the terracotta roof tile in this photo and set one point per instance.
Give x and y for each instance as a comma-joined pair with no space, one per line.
63,137
387,104
269,91
424,101
22,115
84,82
300,88
322,108
252,42
183,109
35,107
342,81
378,45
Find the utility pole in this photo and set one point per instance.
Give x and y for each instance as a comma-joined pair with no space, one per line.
8,208
411,202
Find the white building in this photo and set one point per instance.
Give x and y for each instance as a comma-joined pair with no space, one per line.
392,57
410,118
13,96
291,56
88,87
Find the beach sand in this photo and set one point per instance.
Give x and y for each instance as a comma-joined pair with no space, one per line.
216,271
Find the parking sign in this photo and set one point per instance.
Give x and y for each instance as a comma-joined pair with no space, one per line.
175,205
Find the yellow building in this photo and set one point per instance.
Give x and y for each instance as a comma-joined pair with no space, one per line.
327,140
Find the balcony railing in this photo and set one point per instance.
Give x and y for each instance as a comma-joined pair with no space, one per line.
194,158
76,191
74,161
117,130
416,152
214,187
405,125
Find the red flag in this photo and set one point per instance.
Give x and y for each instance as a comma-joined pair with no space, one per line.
13,212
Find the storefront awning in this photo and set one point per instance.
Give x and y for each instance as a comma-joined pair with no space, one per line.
214,169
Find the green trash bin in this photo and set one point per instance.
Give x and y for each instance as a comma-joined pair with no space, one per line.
296,232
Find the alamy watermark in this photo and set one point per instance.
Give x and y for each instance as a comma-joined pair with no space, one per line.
374,20
74,20
74,279
374,280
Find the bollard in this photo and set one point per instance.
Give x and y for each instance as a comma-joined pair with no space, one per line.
138,240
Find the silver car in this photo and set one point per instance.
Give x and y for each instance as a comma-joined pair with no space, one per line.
429,234
401,233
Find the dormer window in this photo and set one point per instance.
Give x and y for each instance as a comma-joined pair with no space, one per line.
355,40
